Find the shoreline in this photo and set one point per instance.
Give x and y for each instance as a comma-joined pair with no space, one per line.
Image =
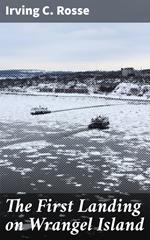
93,95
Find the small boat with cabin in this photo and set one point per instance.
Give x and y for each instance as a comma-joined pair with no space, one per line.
39,110
99,122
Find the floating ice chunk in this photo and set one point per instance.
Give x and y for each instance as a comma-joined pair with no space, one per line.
49,185
32,184
127,159
21,193
147,182
5,164
78,185
139,177
147,171
92,148
117,174
95,153
80,166
59,175
52,157
46,169
101,183
40,181
107,189
28,145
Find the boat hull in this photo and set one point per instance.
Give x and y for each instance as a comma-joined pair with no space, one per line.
40,112
98,126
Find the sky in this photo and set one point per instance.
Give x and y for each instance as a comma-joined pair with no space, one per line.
74,46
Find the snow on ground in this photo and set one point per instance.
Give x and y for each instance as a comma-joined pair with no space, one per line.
132,90
123,91
126,88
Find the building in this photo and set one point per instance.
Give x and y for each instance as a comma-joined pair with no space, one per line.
127,72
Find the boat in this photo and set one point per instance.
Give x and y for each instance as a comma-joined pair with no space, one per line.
39,110
99,122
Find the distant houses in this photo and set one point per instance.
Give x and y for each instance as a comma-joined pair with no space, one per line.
74,82
71,87
129,73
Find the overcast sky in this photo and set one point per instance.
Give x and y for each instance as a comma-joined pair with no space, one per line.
74,46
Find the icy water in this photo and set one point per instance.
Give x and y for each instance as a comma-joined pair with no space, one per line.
57,153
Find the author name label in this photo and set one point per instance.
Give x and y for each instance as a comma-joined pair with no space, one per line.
46,11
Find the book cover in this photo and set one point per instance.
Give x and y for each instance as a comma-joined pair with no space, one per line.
74,119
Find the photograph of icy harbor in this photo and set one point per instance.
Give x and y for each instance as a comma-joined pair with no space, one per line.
81,125
49,143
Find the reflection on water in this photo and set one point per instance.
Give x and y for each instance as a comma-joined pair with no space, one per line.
57,153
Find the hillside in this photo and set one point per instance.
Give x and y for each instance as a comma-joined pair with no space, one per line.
116,82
